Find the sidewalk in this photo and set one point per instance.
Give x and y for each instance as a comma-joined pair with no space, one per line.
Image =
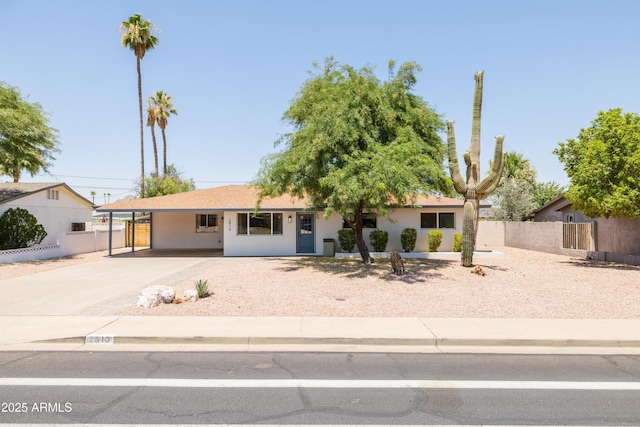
420,335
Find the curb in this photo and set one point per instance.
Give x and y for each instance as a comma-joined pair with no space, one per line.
304,341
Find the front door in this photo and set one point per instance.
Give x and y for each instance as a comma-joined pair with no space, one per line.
306,233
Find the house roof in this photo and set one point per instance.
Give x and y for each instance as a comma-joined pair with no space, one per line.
234,197
556,204
10,191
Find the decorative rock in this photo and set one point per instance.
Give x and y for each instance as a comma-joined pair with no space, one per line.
191,295
155,295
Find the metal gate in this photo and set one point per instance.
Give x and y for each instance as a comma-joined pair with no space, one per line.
578,236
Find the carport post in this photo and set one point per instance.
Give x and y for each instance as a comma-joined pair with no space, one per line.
133,231
110,231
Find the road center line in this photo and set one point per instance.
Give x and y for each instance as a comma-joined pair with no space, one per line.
311,383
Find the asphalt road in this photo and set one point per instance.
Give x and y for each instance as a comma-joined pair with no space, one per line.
318,388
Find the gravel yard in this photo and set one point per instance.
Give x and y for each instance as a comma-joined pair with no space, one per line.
521,284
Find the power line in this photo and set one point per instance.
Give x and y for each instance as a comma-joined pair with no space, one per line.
92,177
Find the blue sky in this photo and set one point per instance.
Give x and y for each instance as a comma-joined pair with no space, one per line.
232,68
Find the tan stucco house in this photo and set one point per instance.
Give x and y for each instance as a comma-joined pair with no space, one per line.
223,218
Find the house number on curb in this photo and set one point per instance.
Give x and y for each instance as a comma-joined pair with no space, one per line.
100,339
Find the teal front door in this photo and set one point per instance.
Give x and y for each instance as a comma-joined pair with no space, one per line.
306,233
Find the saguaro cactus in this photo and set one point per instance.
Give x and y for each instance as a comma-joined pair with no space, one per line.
473,189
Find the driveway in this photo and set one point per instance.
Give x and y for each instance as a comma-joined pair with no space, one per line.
100,287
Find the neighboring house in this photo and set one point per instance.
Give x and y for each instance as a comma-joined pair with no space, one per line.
223,218
558,209
615,239
55,205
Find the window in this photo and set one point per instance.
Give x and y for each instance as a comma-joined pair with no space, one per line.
242,223
53,194
206,223
277,223
260,223
428,220
369,220
437,220
445,220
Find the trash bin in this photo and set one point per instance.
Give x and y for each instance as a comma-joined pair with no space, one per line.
329,248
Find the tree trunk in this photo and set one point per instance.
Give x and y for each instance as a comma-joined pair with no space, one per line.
155,148
141,129
357,231
164,154
16,175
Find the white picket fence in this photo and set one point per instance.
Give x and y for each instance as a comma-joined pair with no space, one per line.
70,243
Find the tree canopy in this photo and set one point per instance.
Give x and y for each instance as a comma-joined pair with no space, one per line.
603,165
27,141
171,183
518,193
358,144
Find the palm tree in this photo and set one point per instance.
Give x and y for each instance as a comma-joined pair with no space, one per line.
164,104
517,166
152,116
138,35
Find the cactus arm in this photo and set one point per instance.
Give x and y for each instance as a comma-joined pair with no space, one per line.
475,124
454,168
490,182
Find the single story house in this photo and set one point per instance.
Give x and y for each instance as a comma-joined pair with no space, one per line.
223,218
558,209
55,205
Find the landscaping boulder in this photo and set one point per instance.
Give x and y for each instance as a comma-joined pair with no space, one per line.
190,295
156,295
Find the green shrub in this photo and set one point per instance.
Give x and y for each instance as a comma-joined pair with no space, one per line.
457,242
202,288
20,229
379,239
408,239
435,239
347,239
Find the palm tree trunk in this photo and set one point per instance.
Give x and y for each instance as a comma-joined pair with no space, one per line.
141,129
155,147
164,155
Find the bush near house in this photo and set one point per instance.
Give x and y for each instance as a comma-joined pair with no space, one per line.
20,229
408,239
347,239
379,240
457,242
435,239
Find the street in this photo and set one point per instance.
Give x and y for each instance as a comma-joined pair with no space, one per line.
317,388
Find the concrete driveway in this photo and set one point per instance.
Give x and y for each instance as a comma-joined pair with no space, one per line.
101,287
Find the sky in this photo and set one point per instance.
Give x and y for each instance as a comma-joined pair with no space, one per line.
233,67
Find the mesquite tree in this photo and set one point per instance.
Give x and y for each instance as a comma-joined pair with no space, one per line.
473,189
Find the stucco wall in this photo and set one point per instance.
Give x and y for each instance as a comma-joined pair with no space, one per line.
490,235
56,216
261,245
618,235
537,236
177,230
327,228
